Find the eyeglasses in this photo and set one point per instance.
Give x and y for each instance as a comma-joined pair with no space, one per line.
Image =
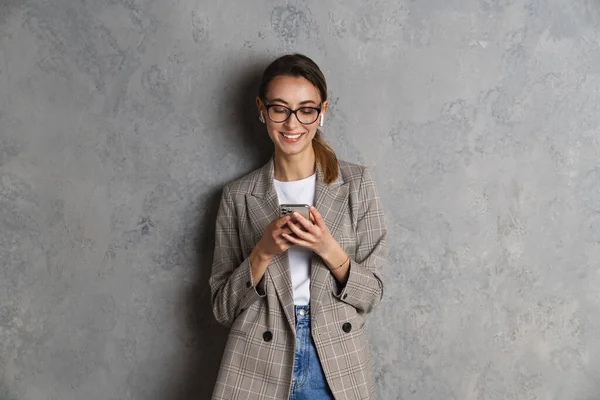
305,115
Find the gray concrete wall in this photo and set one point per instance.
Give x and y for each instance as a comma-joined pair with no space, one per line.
121,120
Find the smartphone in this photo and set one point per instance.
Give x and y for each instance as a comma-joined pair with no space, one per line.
302,209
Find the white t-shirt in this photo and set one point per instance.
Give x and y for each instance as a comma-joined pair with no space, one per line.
298,192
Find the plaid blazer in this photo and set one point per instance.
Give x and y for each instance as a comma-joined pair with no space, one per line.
259,355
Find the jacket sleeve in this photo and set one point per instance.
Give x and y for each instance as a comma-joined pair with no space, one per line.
231,283
364,287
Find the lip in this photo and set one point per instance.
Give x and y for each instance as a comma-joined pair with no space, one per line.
286,140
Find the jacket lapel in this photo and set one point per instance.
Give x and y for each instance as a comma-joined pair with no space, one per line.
332,203
263,207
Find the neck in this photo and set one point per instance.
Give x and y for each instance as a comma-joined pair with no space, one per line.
295,166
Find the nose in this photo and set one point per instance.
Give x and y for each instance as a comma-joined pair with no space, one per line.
292,121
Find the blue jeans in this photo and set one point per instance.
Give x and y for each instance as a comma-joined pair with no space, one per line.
308,380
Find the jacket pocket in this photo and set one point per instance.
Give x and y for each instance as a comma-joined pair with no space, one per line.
237,332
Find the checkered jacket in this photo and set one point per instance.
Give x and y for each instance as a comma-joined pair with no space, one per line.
259,355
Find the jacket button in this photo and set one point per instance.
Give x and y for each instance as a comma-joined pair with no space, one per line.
345,296
347,327
248,284
267,336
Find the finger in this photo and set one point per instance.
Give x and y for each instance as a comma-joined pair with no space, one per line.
298,241
284,229
280,222
290,238
303,221
318,218
281,237
295,228
285,218
284,244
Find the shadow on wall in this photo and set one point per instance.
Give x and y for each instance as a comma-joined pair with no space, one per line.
241,124
196,374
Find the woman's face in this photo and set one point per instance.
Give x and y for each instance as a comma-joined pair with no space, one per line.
291,136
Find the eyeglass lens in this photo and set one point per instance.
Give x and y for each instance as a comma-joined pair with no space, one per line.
305,115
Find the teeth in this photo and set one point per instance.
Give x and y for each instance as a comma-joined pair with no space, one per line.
291,136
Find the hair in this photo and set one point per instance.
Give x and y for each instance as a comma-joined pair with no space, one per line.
299,65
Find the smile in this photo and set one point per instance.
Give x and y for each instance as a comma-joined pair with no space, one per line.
291,137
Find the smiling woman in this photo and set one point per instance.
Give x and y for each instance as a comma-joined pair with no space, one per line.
293,105
294,84
295,300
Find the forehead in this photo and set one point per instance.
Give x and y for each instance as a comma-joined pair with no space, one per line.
293,89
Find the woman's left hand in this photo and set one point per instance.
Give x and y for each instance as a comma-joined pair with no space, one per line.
316,236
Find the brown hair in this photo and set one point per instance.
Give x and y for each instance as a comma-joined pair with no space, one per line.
299,65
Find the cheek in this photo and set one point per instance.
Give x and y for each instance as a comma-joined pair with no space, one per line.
272,130
312,131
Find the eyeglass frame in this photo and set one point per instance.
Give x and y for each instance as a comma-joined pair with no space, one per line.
268,106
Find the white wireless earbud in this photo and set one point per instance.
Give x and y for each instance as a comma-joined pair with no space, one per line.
261,118
321,124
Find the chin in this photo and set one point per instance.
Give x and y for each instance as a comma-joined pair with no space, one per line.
288,151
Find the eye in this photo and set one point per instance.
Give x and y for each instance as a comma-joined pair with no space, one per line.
279,110
308,111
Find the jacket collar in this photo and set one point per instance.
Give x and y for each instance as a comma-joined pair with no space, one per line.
264,187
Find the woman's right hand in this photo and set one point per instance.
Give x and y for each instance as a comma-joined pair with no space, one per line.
272,242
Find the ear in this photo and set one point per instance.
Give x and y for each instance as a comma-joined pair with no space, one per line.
258,104
324,108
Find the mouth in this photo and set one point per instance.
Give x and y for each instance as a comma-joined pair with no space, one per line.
291,137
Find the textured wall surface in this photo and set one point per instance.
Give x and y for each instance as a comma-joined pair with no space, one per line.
121,120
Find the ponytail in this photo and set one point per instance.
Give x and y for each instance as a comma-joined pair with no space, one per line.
325,158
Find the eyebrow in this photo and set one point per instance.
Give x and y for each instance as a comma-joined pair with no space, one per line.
285,102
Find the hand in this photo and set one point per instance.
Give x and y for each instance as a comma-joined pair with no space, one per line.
314,236
272,242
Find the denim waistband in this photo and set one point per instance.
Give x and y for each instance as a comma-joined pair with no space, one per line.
302,312
305,308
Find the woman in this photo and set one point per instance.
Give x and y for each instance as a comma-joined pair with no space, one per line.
295,294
